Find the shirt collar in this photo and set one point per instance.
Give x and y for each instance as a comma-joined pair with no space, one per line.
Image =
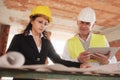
32,34
89,36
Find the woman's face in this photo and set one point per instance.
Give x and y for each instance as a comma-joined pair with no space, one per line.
39,24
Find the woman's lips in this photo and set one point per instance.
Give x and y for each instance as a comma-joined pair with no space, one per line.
41,29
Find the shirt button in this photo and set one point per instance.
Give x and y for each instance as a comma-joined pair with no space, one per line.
38,59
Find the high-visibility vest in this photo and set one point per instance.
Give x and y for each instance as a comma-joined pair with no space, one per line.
75,46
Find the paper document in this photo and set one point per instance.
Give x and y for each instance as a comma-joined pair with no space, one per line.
110,69
104,50
12,59
104,69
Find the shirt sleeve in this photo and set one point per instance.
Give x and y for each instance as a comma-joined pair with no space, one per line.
66,55
56,58
15,43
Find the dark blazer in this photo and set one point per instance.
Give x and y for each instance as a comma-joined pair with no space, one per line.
26,45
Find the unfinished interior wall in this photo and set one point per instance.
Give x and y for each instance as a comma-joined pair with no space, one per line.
4,31
116,44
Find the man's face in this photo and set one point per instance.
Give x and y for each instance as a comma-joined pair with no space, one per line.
84,27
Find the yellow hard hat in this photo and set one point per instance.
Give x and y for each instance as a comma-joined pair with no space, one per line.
44,10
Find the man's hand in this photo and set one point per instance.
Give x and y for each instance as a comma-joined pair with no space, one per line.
84,57
103,59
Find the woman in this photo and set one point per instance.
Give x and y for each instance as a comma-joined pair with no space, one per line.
33,44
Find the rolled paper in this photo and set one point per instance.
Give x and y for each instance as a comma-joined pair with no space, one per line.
12,59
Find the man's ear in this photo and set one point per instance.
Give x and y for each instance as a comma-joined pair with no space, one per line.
92,25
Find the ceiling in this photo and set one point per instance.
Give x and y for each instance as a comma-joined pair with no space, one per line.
64,13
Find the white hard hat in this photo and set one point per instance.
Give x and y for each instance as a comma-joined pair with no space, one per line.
87,14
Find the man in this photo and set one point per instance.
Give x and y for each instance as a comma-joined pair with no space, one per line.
76,47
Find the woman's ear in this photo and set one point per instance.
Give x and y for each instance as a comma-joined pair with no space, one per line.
31,22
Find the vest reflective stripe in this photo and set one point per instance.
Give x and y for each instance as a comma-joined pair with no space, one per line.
75,46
